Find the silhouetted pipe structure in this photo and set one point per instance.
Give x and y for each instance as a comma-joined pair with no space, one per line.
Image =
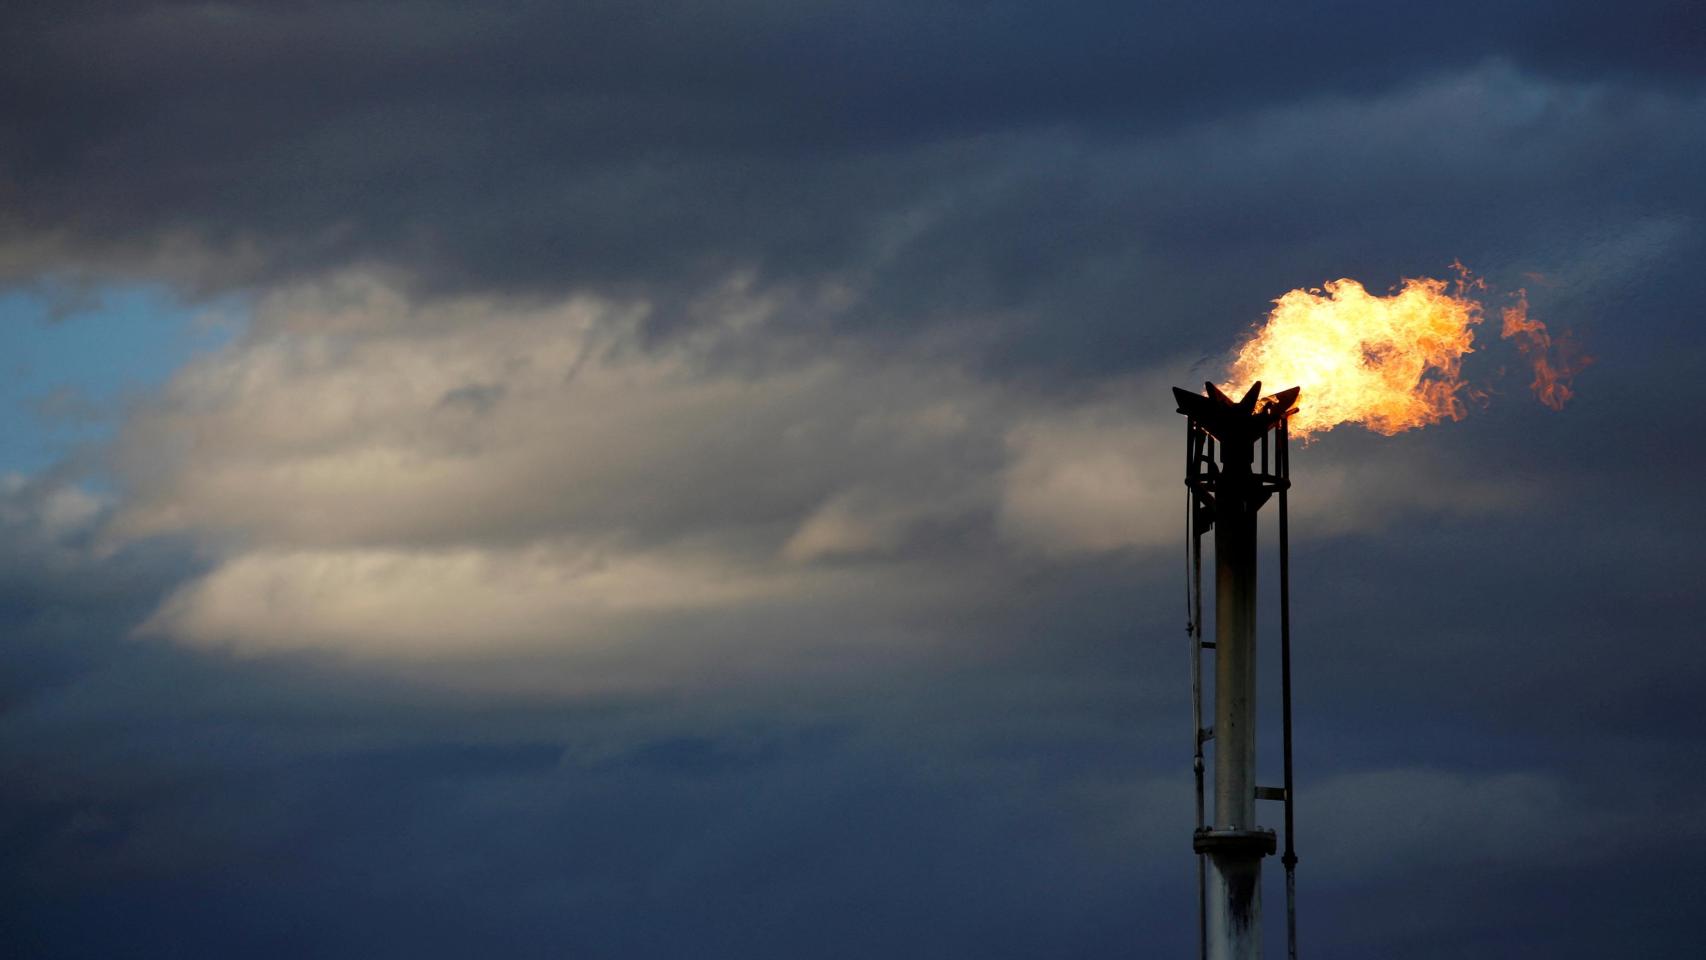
1227,497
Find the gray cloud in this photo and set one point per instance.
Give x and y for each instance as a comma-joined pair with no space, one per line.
604,496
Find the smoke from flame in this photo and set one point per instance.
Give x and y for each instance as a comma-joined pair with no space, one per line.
1390,363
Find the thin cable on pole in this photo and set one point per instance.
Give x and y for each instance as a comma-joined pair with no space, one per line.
1282,457
1194,439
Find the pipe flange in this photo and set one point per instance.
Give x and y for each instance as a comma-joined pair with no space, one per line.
1249,844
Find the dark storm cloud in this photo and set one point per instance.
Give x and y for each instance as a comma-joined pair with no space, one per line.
955,157
279,807
55,597
1028,800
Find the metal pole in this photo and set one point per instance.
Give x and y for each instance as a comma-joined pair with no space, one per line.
1235,901
1289,859
1196,440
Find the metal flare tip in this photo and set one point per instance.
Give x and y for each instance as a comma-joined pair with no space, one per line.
1237,421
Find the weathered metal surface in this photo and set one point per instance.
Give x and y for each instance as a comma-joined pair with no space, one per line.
1234,907
1234,651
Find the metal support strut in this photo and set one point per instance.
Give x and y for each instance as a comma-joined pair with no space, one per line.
1199,457
1289,858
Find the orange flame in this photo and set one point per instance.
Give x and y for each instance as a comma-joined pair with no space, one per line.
1391,363
1555,363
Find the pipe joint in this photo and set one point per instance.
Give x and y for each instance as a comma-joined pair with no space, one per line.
1234,844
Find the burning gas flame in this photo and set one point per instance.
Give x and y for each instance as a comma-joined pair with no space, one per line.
1555,363
1391,363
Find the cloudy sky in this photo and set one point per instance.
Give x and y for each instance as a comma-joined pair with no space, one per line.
652,479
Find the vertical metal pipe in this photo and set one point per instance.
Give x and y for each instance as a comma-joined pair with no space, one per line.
1235,908
1235,656
1289,860
1195,440
1235,900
